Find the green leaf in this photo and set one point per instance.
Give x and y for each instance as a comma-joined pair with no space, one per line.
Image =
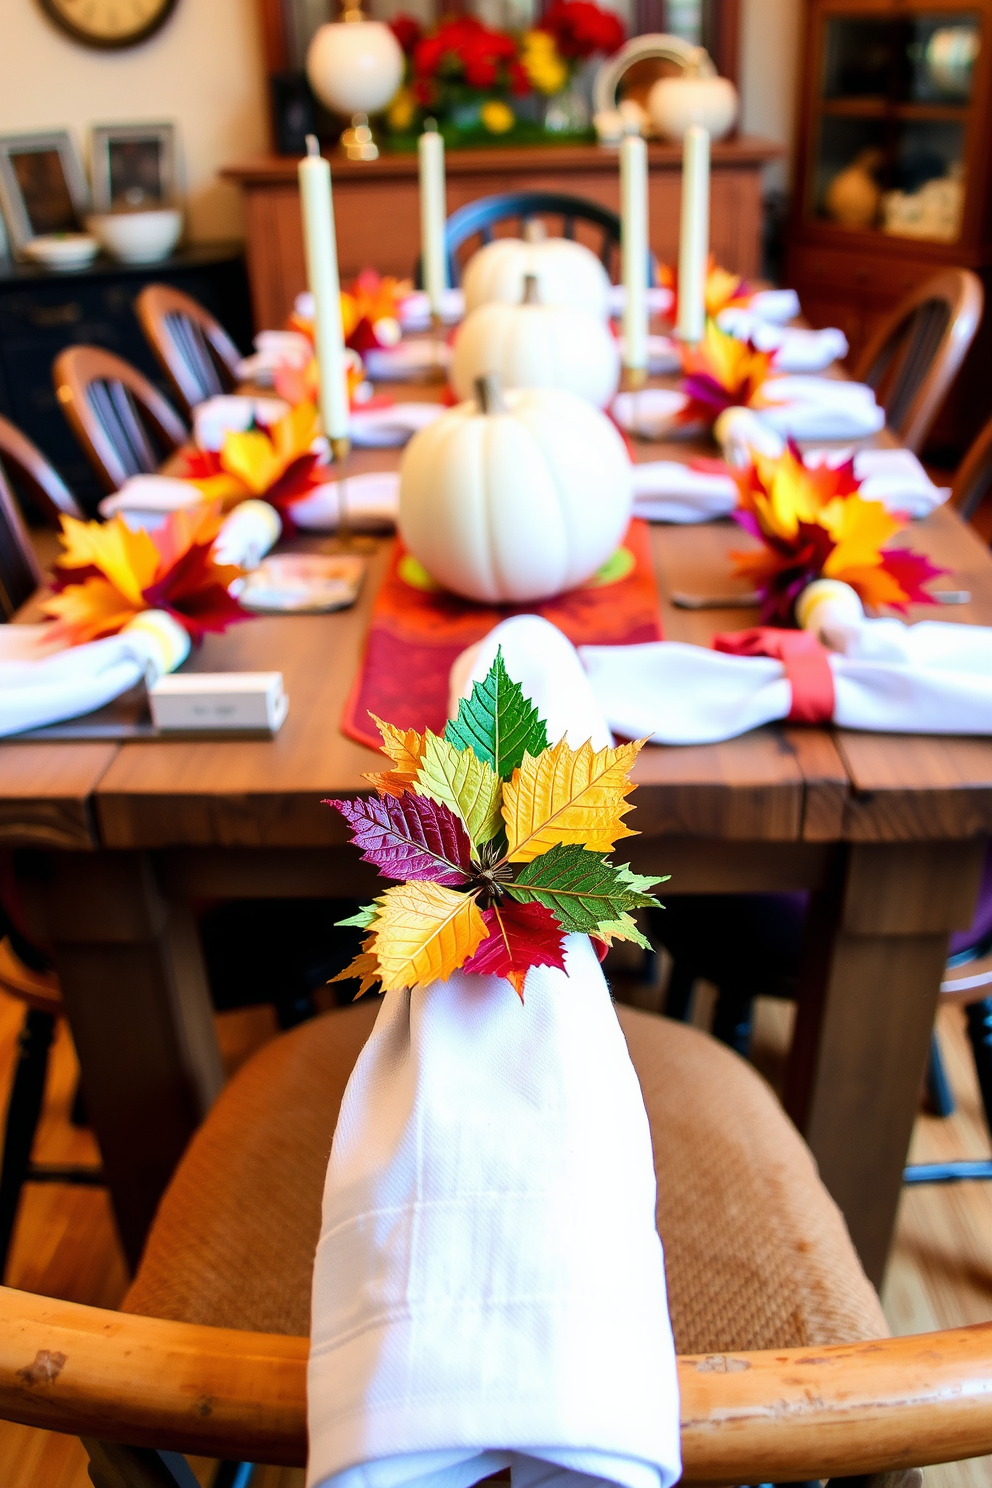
624,928
458,779
582,888
363,919
637,881
498,723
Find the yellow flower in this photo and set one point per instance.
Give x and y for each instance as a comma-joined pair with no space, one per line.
497,117
544,66
401,112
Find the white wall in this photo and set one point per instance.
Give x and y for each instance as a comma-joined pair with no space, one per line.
203,71
769,72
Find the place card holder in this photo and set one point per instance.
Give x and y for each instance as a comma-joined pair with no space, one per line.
219,701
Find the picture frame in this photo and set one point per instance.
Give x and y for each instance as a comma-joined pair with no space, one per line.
42,186
134,166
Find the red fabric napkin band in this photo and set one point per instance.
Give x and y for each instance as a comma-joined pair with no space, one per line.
805,661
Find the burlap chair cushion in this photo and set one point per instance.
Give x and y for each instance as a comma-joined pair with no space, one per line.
757,1252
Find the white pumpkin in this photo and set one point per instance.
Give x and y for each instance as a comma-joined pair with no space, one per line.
567,273
533,345
511,499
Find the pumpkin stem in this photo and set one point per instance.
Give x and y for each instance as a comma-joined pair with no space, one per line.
531,292
535,231
489,394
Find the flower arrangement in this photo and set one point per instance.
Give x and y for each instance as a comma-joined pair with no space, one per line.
468,75
720,373
498,843
813,524
277,463
723,288
109,572
370,311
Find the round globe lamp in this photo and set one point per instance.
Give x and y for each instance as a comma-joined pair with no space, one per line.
355,66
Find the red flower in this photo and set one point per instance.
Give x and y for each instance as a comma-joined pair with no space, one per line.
519,81
581,28
406,30
463,47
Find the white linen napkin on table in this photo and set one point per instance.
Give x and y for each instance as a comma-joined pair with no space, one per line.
668,491
80,679
660,300
777,306
819,408
275,351
372,500
795,348
405,360
894,477
415,310
489,1285
233,413
385,428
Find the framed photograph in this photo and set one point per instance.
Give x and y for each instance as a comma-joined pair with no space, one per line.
42,186
134,165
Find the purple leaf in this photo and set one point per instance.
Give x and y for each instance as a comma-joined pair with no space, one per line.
409,837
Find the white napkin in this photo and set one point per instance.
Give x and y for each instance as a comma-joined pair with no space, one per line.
150,496
651,413
489,1285
819,408
894,477
252,530
929,678
384,428
415,310
795,349
667,491
664,355
774,305
373,500
233,412
274,352
660,300
82,678
405,360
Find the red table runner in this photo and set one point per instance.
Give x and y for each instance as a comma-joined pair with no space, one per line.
416,633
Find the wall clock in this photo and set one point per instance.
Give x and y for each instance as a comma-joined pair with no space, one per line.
108,23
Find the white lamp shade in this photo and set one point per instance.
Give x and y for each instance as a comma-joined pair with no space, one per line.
675,103
355,66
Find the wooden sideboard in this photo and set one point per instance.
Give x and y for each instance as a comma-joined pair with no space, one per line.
377,212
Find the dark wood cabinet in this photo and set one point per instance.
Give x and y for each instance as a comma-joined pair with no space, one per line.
42,312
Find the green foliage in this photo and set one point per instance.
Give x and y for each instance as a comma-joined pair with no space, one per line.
583,889
498,723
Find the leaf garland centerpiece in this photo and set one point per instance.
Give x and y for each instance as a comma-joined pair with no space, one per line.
499,843
720,373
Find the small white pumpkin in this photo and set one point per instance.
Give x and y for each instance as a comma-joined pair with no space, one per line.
567,273
531,345
515,498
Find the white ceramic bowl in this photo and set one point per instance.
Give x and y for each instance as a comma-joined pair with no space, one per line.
675,103
139,237
62,250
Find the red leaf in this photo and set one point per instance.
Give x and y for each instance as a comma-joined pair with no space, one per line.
194,590
409,837
520,936
911,571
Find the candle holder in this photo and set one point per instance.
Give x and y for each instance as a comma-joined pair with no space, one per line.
346,540
354,67
634,380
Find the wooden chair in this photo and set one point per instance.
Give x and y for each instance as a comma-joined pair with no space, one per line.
785,1372
479,218
973,481
123,424
19,571
193,349
27,465
916,353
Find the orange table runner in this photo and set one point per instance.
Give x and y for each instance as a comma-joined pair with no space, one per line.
416,632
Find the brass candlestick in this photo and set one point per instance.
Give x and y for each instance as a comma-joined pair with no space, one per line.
634,380
439,372
346,540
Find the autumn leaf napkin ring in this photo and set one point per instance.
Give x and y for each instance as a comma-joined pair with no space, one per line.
499,842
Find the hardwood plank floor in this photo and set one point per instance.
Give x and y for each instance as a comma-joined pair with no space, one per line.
940,1274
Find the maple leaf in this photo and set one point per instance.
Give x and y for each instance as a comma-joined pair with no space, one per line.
623,928
520,936
568,796
466,785
363,917
581,888
364,969
423,932
498,723
405,749
90,610
409,837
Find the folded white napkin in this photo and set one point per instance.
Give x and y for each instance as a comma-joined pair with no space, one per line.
372,500
150,496
274,352
252,530
894,477
774,305
664,355
489,1285
233,412
82,678
384,428
660,300
929,678
405,360
415,310
651,413
795,349
667,491
819,408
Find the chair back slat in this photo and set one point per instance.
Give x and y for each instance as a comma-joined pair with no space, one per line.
123,424
973,481
24,463
916,353
194,350
19,571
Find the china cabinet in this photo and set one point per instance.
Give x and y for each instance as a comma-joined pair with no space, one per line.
894,178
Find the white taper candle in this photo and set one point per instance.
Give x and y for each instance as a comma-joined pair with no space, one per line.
322,276
634,249
694,234
433,214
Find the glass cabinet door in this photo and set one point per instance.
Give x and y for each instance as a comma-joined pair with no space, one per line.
891,122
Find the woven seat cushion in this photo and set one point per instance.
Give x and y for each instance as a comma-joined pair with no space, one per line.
757,1252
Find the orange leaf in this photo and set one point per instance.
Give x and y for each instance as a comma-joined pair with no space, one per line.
423,932
89,610
568,796
364,969
406,750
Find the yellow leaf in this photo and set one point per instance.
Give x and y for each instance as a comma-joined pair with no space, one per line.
405,750
568,796
91,609
860,529
423,932
259,458
364,969
469,787
128,558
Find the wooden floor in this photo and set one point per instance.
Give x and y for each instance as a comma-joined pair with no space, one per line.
940,1274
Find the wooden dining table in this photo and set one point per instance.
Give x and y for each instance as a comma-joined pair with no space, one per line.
118,841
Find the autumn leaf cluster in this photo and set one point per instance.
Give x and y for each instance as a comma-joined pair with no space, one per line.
499,842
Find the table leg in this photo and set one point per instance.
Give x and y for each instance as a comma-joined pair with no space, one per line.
875,953
137,1000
